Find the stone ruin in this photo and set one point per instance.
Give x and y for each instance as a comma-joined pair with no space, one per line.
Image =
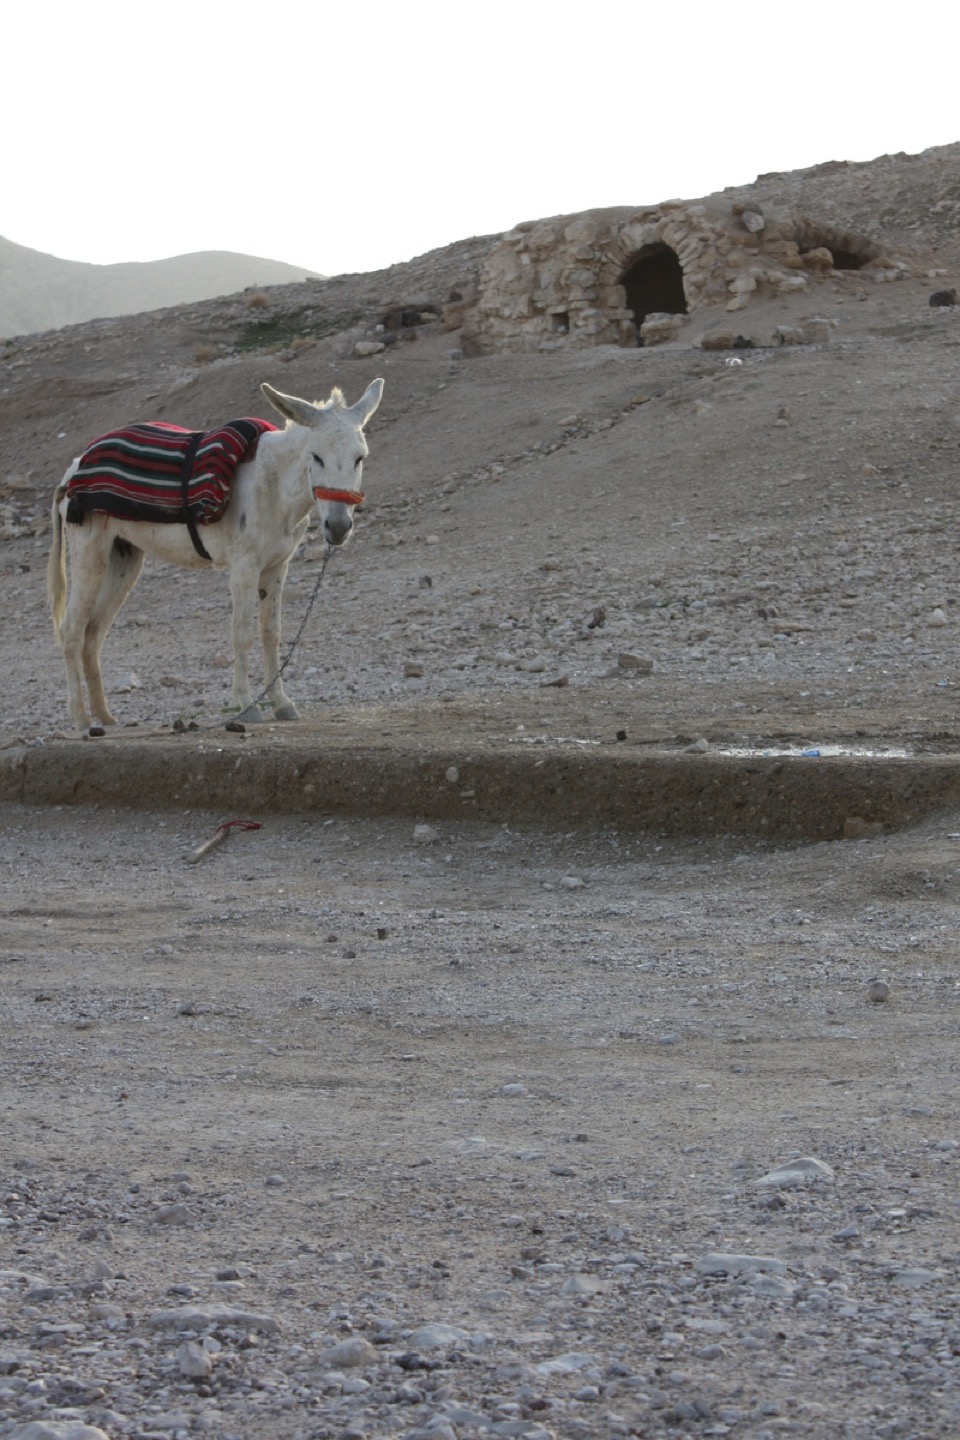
624,277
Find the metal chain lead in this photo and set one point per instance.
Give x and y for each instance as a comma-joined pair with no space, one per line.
296,639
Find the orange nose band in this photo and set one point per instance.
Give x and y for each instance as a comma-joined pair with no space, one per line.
339,497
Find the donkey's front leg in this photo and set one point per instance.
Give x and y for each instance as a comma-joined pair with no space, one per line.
271,593
243,596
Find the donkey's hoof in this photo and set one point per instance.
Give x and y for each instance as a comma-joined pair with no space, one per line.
253,715
288,711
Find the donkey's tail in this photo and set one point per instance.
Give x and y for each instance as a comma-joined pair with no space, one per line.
57,564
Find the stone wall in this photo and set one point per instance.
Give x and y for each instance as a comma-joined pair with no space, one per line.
557,283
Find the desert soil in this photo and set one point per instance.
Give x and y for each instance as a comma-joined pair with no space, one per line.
375,1125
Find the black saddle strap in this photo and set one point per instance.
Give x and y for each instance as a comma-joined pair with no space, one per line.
185,476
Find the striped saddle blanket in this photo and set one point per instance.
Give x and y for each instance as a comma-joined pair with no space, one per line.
137,473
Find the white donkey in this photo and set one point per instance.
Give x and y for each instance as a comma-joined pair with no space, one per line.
317,457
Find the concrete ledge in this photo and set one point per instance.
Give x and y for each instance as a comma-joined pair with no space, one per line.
782,797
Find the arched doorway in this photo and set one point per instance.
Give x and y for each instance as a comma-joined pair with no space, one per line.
653,281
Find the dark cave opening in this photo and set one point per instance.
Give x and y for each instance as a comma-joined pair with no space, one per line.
653,281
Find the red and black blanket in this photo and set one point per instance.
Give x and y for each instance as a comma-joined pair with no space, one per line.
137,473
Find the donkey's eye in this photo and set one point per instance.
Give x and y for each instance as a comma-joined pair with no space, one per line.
319,461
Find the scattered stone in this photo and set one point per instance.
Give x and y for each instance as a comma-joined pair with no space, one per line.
878,991
348,1354
943,297
193,1362
425,835
640,666
915,1278
802,1171
171,1215
436,1336
365,348
56,1430
723,1264
203,1317
572,882
583,1284
567,1364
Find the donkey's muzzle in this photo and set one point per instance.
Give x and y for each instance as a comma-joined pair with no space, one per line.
336,529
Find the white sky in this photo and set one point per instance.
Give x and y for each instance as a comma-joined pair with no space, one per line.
349,136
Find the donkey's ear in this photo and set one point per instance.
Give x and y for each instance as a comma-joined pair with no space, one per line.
367,403
301,412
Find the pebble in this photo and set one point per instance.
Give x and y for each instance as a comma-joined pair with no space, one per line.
425,835
202,1317
435,1336
878,991
348,1354
719,1263
567,1364
193,1362
802,1171
57,1430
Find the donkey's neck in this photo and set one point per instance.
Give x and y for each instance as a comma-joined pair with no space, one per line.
285,458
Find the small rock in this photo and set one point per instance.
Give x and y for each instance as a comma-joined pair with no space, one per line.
171,1215
938,618
797,1172
365,348
581,1284
628,661
572,882
349,1354
413,670
719,1263
57,1430
878,991
914,1279
193,1361
567,1364
425,835
201,1317
435,1336
943,297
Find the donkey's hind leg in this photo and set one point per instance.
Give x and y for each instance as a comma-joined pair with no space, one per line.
89,551
123,568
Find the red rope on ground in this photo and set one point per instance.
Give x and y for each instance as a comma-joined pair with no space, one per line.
239,825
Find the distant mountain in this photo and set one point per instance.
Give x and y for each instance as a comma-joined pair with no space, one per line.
42,292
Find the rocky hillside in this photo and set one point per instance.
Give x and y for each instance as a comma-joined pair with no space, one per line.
43,292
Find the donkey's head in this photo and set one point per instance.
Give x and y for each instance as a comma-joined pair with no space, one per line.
334,451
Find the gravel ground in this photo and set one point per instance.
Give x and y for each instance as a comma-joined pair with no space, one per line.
356,1130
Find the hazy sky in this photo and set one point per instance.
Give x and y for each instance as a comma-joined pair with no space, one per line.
350,136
